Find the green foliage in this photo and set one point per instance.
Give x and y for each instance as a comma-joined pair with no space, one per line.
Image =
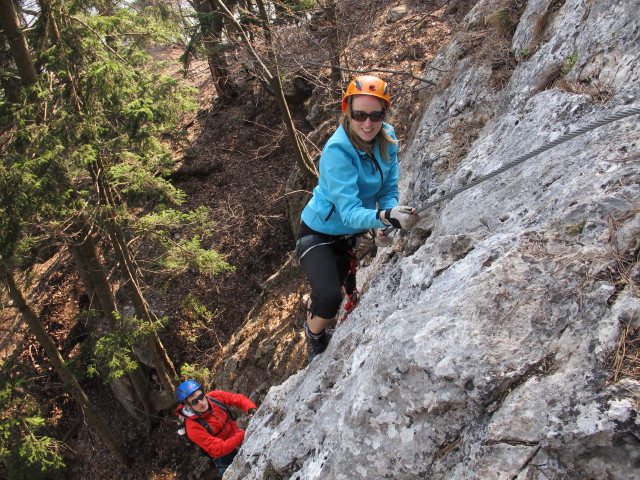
205,38
140,186
577,229
199,315
212,20
97,99
166,221
569,62
287,11
189,256
78,361
37,458
500,20
505,19
24,453
298,5
105,104
193,372
32,185
12,201
186,254
194,308
113,350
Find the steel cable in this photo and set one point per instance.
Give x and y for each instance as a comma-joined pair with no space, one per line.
563,138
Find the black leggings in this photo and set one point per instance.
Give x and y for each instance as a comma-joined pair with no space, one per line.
326,261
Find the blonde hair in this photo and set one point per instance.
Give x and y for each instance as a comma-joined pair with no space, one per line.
383,138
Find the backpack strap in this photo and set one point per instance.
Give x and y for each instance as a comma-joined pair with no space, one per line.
184,436
201,421
223,406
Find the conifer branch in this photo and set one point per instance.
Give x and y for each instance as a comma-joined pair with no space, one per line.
99,38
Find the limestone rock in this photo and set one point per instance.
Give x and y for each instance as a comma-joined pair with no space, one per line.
481,348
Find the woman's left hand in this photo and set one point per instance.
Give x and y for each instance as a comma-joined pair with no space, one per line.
400,216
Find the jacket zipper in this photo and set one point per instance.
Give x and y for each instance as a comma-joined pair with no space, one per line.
375,162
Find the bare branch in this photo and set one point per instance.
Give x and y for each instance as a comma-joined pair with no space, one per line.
221,5
99,38
370,70
430,13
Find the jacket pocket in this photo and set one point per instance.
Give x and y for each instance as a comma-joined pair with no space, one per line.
333,209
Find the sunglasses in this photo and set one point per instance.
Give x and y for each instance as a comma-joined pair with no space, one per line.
196,400
360,116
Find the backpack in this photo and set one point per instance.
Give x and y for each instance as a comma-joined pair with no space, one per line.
185,412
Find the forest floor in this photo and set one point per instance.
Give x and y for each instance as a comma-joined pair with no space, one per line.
237,163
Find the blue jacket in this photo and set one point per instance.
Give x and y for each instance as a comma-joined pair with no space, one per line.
352,187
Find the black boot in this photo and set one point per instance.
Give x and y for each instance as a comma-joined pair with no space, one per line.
317,342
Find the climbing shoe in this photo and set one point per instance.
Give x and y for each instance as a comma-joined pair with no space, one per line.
317,342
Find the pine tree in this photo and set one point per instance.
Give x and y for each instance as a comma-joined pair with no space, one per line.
82,146
54,355
25,452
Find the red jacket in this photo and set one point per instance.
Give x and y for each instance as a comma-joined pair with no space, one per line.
230,436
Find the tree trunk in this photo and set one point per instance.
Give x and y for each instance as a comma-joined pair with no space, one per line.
92,271
95,279
164,367
225,86
67,377
334,49
212,40
302,156
46,9
17,43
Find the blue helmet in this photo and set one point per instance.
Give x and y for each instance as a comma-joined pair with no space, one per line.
187,388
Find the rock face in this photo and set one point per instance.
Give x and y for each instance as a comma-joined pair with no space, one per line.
482,345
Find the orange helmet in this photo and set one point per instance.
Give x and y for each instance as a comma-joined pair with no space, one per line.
367,85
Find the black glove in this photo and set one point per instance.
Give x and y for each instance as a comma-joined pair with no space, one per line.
252,411
399,217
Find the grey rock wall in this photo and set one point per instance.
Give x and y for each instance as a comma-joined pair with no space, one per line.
481,347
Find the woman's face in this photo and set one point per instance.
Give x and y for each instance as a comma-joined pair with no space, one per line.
368,129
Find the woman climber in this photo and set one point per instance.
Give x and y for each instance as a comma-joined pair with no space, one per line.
357,191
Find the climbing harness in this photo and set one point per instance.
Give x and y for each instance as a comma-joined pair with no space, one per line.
307,243
348,242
